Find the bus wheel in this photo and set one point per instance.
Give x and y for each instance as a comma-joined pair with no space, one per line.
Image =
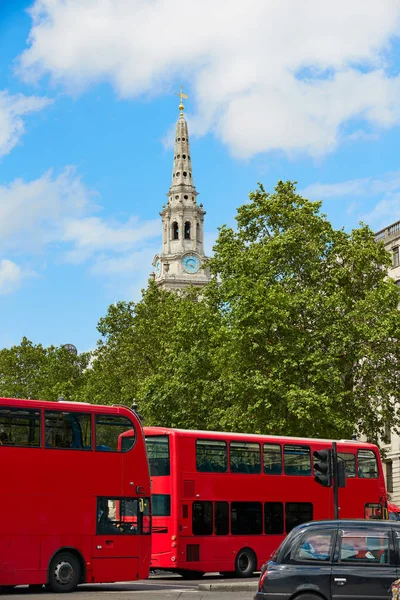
64,573
245,563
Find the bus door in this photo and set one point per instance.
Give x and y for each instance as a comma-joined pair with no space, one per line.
116,545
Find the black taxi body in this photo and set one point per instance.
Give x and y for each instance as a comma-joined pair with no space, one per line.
334,560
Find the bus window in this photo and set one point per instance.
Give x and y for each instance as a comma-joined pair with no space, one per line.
349,460
373,511
246,518
272,459
19,427
297,513
108,431
297,460
127,442
202,521
367,464
161,505
273,517
245,457
67,430
158,454
211,456
221,521
122,516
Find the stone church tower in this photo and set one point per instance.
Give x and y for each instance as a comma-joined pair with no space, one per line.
182,254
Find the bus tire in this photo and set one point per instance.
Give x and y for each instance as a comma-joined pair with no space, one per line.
245,563
65,572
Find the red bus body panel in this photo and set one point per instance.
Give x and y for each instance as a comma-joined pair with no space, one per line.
173,534
48,502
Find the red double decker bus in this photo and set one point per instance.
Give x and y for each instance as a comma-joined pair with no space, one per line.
224,501
74,506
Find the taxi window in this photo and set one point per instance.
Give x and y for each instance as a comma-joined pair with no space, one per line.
364,546
315,546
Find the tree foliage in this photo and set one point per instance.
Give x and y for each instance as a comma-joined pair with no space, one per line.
310,321
296,333
33,371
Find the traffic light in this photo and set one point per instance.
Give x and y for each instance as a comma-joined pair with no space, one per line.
323,467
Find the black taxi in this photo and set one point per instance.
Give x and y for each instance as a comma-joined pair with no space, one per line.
334,560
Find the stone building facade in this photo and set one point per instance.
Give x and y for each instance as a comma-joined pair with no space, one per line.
182,260
391,239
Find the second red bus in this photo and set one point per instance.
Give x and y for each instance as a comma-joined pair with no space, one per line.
224,501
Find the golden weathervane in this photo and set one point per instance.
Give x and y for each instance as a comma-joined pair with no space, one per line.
181,95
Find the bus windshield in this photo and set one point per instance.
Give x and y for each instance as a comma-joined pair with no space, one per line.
158,454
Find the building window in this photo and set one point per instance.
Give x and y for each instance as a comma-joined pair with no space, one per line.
175,231
395,259
187,230
389,476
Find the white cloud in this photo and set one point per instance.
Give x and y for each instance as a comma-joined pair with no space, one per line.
12,109
385,188
93,234
34,214
55,214
10,276
366,186
384,213
276,74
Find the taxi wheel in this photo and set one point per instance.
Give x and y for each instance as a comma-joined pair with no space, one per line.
245,563
308,597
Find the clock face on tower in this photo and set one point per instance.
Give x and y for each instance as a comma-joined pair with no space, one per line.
190,263
158,268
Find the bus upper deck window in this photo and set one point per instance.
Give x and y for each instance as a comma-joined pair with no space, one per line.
67,430
109,433
367,464
158,454
19,427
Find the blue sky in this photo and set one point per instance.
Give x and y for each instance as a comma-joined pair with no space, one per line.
279,90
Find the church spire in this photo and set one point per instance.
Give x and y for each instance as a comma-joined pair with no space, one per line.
180,262
182,176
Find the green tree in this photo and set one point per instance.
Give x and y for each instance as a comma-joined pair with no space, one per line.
308,337
155,351
296,333
33,371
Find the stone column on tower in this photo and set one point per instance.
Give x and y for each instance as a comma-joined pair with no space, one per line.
182,260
